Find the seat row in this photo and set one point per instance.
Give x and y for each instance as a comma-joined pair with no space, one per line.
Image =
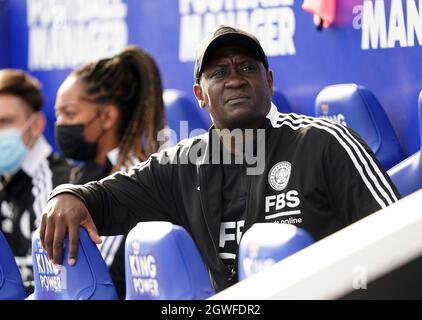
161,262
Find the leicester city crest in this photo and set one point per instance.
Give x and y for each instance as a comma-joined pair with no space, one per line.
279,175
135,247
253,250
325,108
39,246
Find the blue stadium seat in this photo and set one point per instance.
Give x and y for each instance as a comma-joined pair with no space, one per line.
88,279
179,107
264,244
162,262
11,286
407,175
356,107
281,102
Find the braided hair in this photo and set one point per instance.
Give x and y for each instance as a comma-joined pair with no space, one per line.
130,80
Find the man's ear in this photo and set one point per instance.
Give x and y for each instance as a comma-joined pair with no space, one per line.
270,81
110,116
38,123
197,90
35,128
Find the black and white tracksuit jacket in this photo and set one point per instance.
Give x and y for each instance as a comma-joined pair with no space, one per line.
318,175
23,197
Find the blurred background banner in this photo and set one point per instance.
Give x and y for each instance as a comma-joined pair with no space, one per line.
3,34
373,43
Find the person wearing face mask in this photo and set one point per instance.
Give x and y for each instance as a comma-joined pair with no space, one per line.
29,170
108,115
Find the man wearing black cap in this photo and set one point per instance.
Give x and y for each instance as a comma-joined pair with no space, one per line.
226,62
316,174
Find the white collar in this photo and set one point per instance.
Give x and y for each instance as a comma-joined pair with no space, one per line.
273,115
113,157
38,153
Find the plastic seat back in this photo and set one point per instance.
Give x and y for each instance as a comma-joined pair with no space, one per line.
162,262
183,117
281,102
11,286
356,107
407,175
88,279
264,244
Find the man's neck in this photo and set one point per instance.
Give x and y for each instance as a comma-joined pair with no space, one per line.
234,140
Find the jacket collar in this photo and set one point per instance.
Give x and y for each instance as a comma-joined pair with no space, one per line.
113,157
273,115
36,155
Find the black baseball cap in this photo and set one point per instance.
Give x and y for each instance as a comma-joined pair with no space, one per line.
226,35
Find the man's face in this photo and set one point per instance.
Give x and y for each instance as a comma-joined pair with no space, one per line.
14,113
235,88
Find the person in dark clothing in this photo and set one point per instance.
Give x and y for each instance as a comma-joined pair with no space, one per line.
108,114
29,169
276,168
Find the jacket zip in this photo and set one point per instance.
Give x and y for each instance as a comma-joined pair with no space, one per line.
246,226
202,194
204,208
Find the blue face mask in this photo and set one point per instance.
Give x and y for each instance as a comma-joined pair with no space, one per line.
12,150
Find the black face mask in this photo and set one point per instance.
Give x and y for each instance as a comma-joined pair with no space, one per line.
71,141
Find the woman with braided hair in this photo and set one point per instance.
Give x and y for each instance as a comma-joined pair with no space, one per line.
108,115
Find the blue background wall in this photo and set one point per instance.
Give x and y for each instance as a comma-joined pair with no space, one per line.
3,34
331,56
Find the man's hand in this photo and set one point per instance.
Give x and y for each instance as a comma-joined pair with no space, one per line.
65,213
